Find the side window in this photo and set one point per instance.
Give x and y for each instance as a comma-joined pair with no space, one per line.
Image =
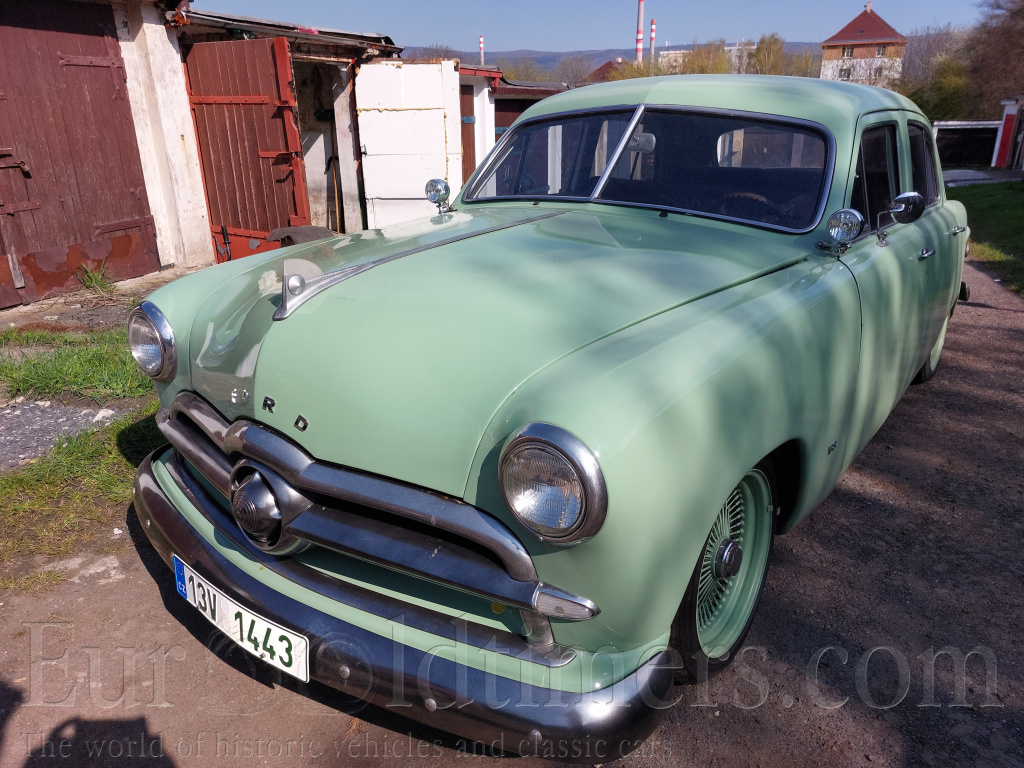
922,163
876,181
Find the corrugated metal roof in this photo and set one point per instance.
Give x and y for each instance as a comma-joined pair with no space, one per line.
200,17
867,27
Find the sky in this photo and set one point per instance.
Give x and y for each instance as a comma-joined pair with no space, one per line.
572,25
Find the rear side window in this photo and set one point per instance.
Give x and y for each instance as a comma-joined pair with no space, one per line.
922,163
876,182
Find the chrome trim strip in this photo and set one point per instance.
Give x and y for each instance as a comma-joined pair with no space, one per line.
614,160
213,465
312,287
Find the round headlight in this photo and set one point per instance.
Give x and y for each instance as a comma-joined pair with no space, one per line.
552,483
152,342
437,190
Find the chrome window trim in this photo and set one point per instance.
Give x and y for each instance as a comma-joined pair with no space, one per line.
587,468
610,165
495,155
827,177
168,349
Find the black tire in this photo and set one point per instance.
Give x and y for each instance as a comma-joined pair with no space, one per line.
693,623
932,362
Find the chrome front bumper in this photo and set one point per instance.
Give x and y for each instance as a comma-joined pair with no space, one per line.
507,714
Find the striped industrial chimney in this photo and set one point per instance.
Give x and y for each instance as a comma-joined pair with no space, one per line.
640,32
653,57
481,50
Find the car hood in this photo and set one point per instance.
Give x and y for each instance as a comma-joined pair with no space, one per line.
399,369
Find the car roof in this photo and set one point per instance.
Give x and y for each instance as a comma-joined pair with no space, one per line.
836,105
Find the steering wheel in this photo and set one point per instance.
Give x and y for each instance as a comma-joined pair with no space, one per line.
727,204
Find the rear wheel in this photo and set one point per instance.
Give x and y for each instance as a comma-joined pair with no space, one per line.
725,588
928,369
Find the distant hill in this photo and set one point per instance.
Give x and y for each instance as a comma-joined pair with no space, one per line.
549,59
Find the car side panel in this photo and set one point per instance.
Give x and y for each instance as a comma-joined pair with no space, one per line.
677,409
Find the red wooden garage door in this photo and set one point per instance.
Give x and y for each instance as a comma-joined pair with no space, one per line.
71,185
244,107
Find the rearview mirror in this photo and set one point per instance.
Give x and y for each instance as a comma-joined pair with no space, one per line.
641,142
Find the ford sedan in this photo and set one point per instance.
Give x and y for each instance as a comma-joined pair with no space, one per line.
515,468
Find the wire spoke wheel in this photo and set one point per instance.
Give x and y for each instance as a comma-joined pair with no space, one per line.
732,567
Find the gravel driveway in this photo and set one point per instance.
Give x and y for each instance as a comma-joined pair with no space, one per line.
918,550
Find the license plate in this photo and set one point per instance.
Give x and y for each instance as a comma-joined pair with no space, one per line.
262,638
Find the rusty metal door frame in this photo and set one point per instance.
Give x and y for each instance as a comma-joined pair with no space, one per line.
230,239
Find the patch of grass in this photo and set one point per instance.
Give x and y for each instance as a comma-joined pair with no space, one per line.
33,582
95,365
48,506
995,213
95,279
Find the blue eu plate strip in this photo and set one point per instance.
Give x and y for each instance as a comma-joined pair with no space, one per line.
179,577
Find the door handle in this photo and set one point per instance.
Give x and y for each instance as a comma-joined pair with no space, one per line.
958,230
926,252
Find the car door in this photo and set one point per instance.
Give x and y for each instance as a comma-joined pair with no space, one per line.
884,261
940,243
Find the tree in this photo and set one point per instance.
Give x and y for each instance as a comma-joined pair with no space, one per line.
574,71
804,64
769,56
995,57
525,69
935,74
707,59
438,51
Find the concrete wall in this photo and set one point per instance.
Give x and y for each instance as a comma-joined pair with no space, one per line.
410,132
872,71
165,133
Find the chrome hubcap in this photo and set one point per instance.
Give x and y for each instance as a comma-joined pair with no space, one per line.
728,559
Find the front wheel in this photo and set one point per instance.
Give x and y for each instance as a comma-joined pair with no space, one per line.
725,588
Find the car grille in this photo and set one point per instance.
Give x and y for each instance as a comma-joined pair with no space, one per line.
406,529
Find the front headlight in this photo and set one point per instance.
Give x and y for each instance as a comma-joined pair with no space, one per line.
553,484
152,342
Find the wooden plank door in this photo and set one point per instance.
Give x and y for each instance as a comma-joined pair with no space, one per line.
243,102
466,102
72,192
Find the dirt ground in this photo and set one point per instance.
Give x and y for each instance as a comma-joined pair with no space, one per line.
917,551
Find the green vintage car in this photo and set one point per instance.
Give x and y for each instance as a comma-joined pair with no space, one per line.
510,468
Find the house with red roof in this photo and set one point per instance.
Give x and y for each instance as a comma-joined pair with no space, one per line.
867,50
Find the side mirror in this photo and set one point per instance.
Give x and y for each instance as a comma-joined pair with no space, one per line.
907,208
437,192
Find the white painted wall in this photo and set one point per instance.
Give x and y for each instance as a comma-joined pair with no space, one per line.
880,71
166,135
410,132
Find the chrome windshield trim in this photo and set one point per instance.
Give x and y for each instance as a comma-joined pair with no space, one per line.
614,160
494,156
827,178
313,287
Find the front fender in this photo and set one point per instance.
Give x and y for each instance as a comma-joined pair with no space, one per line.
676,409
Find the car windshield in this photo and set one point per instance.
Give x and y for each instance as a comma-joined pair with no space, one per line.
750,169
